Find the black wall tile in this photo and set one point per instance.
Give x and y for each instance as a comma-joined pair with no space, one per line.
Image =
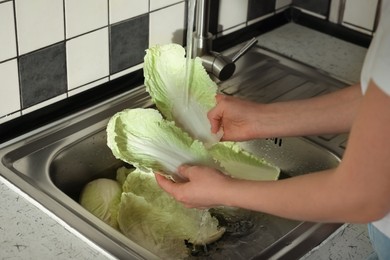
258,8
213,18
42,75
128,42
317,6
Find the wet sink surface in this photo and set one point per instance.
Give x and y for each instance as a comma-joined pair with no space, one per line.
53,163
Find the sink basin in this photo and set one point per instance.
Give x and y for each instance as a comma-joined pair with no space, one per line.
54,162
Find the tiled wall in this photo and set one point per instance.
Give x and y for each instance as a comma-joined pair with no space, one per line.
51,50
358,15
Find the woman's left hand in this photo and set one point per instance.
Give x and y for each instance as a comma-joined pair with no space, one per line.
204,187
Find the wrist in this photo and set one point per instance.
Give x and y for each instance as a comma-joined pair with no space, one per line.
268,121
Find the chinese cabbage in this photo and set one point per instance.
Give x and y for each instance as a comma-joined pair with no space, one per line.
241,164
165,80
158,222
101,197
142,137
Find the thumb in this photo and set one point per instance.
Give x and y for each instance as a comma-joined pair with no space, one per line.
183,171
215,120
164,183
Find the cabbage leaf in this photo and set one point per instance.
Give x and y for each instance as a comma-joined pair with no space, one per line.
144,139
101,197
151,217
241,164
165,80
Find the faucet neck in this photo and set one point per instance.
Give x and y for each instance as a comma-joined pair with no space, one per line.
202,18
220,66
202,38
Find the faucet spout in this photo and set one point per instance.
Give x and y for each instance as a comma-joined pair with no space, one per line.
202,39
215,63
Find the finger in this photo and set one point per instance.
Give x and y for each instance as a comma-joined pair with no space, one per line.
219,97
183,171
215,120
214,115
192,206
164,183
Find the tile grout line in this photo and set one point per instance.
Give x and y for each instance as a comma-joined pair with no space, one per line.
17,58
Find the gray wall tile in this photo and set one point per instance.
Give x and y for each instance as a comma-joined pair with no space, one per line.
128,42
42,75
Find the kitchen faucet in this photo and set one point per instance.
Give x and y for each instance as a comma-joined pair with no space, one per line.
215,63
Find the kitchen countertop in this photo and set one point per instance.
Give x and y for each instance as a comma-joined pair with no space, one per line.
340,59
29,231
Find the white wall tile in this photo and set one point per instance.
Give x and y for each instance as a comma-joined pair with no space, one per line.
232,13
124,9
167,25
39,23
334,11
126,71
87,58
84,16
9,88
231,30
9,117
7,31
157,4
282,3
360,13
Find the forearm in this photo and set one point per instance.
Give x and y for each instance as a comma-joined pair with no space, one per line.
330,113
358,190
316,197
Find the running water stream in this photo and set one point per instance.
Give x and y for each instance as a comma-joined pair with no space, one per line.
187,92
190,28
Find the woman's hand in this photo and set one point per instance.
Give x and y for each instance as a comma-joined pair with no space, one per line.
243,120
205,187
235,116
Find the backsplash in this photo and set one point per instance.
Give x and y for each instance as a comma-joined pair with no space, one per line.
51,50
54,49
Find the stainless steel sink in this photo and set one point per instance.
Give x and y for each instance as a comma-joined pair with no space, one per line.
54,162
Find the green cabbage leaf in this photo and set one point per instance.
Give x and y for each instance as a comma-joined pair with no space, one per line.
144,139
152,218
187,105
101,197
238,163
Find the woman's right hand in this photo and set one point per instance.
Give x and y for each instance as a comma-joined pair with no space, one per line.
236,118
